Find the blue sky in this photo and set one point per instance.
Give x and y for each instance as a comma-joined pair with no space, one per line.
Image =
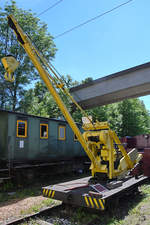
114,42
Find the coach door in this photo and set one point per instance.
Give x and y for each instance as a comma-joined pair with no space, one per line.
21,149
43,138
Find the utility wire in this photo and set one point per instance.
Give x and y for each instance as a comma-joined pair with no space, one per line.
92,19
52,6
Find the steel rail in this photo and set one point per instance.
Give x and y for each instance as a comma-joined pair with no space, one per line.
26,218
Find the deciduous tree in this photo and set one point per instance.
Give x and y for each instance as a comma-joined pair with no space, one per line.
11,93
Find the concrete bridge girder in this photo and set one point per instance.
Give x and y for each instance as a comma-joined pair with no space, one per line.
130,83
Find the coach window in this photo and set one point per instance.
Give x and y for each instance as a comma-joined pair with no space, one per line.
62,133
21,128
43,131
75,138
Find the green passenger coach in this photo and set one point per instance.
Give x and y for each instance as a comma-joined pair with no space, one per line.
27,140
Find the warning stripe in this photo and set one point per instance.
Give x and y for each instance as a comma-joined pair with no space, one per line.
101,203
91,202
53,193
86,200
48,193
43,191
94,202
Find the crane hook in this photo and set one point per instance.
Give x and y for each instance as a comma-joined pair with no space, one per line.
10,64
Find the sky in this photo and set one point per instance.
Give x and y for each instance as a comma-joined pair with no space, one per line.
117,41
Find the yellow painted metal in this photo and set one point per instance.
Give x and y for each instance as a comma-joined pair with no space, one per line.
49,193
43,191
95,201
98,140
10,64
86,200
46,192
124,153
101,140
92,204
101,204
53,193
111,158
97,126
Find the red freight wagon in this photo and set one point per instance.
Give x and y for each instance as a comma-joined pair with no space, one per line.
142,143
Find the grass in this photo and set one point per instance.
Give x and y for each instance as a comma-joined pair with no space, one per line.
81,215
5,197
32,189
37,207
31,222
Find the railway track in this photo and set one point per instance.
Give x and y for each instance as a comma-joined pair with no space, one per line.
61,214
43,213
64,214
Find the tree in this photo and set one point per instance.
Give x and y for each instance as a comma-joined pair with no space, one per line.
87,80
135,117
129,117
39,101
11,93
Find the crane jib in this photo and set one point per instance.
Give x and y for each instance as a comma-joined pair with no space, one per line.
13,26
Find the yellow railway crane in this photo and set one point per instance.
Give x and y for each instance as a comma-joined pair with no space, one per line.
108,157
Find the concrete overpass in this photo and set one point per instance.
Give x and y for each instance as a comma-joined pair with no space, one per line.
130,83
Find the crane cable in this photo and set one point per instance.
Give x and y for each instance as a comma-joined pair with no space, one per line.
52,6
57,80
85,22
91,19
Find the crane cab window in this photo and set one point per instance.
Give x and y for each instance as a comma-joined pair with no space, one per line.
21,128
43,131
62,133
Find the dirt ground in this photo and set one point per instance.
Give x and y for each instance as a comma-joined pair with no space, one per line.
13,209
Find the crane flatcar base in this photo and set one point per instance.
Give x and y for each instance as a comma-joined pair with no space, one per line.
79,192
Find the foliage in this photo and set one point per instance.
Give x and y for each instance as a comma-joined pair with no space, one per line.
87,80
10,94
129,117
99,113
38,100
